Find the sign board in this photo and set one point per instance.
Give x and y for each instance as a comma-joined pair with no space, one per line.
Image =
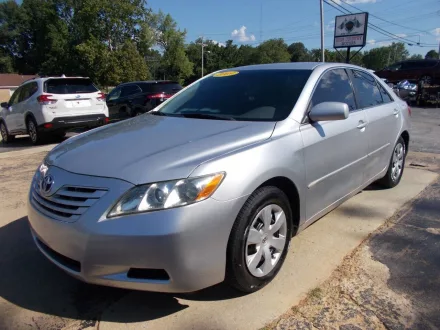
351,30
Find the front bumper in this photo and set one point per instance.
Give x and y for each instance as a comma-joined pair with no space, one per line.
188,243
64,123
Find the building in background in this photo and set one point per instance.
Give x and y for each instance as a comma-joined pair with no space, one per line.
9,83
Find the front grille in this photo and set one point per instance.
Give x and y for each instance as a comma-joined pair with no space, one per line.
68,203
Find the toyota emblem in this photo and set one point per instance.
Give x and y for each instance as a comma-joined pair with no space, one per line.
46,184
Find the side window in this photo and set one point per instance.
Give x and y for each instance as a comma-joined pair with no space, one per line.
385,96
395,67
130,90
114,94
367,92
15,97
334,86
410,65
28,90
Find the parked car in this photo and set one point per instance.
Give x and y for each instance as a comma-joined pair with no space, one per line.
213,183
135,98
426,71
50,106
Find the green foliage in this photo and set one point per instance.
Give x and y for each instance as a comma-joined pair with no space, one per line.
432,54
119,41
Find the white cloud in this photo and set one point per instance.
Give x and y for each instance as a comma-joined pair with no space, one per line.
330,26
371,42
221,44
241,36
402,35
436,31
353,2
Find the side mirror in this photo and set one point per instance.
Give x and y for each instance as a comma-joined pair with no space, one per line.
329,111
4,105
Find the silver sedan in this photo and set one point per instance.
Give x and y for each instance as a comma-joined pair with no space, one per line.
212,185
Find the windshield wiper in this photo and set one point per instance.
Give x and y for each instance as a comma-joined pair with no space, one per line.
205,116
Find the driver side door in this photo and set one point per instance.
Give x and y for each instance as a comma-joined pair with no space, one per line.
12,111
335,152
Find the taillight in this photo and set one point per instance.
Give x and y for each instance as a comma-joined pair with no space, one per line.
158,96
106,120
409,110
101,97
46,99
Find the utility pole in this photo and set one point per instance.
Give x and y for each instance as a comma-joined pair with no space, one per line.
321,4
439,50
203,46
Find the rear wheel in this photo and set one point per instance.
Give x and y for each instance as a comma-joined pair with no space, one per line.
34,134
426,80
396,166
259,240
6,137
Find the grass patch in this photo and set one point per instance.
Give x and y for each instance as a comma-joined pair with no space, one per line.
315,293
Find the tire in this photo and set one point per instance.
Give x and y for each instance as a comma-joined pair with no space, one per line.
6,137
425,80
397,163
249,274
35,136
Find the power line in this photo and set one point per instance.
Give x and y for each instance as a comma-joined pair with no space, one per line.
379,18
372,26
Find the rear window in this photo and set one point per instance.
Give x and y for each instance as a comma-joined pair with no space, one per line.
163,87
249,95
69,86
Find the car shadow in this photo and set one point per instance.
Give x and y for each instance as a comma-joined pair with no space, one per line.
30,281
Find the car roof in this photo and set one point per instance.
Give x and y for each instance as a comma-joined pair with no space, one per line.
148,82
295,66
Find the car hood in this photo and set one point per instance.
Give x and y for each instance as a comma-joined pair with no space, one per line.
152,148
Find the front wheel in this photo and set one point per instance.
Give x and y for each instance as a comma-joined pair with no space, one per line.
259,240
6,137
396,166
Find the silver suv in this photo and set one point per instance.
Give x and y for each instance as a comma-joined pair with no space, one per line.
51,106
213,184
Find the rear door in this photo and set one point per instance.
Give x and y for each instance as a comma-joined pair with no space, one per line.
383,117
26,103
113,103
335,152
75,96
128,99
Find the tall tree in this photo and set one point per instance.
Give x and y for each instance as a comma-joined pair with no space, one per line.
432,54
298,52
272,51
10,24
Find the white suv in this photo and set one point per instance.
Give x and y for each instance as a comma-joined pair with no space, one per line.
52,105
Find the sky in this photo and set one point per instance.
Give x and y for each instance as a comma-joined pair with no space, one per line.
250,21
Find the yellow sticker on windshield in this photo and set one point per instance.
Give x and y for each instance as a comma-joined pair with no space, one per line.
225,74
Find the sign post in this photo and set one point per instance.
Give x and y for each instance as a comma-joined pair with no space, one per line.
350,31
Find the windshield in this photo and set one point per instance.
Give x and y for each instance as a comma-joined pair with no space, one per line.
69,86
249,95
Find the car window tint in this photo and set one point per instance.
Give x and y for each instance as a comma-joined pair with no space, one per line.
165,87
69,86
427,64
247,95
385,96
367,92
334,86
114,94
15,97
130,90
28,90
395,67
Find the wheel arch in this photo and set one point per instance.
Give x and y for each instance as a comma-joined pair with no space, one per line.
405,137
27,116
290,189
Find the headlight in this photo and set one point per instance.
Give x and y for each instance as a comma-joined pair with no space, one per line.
164,195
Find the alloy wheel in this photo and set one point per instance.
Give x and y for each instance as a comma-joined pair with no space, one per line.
32,130
397,164
4,133
266,240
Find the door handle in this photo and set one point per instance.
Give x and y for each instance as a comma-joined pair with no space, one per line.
396,112
362,124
